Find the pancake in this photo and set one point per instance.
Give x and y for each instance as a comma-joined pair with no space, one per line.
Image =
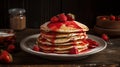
60,35
64,40
64,27
51,48
43,41
64,51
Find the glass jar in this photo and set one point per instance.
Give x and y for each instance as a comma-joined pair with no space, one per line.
17,18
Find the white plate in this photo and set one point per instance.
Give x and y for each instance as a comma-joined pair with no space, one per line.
27,44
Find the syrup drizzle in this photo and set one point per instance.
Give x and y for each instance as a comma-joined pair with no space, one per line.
53,42
56,25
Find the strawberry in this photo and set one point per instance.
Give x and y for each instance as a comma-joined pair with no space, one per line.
95,43
36,48
103,18
105,37
4,52
10,48
92,43
54,19
70,17
89,40
62,17
6,57
74,50
112,17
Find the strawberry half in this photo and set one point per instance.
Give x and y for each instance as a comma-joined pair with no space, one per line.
36,48
74,50
92,43
54,19
62,17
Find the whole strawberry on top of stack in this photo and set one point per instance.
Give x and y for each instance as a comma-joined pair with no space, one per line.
62,35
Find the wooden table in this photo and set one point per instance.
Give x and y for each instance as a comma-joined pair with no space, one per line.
110,57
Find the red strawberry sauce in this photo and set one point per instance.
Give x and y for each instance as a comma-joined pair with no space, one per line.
56,25
92,44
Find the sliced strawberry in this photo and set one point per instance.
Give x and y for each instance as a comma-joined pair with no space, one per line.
92,44
62,17
36,48
74,50
89,40
85,41
10,48
54,19
95,43
70,17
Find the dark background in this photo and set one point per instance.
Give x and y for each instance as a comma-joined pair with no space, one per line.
40,11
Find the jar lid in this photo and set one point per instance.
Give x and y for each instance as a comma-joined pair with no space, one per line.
16,11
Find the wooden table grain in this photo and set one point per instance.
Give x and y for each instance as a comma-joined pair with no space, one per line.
110,57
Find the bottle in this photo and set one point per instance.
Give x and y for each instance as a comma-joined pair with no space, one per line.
17,18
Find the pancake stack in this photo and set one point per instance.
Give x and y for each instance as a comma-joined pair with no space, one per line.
63,35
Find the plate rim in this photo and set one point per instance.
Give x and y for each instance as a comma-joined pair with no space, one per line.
22,45
107,29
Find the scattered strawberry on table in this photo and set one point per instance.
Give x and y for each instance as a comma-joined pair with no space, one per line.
5,57
106,38
5,54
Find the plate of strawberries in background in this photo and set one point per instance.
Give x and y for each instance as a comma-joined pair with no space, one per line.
96,44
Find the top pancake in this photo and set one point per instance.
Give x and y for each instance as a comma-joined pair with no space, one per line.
64,27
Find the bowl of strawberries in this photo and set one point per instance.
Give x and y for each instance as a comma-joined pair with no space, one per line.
108,24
